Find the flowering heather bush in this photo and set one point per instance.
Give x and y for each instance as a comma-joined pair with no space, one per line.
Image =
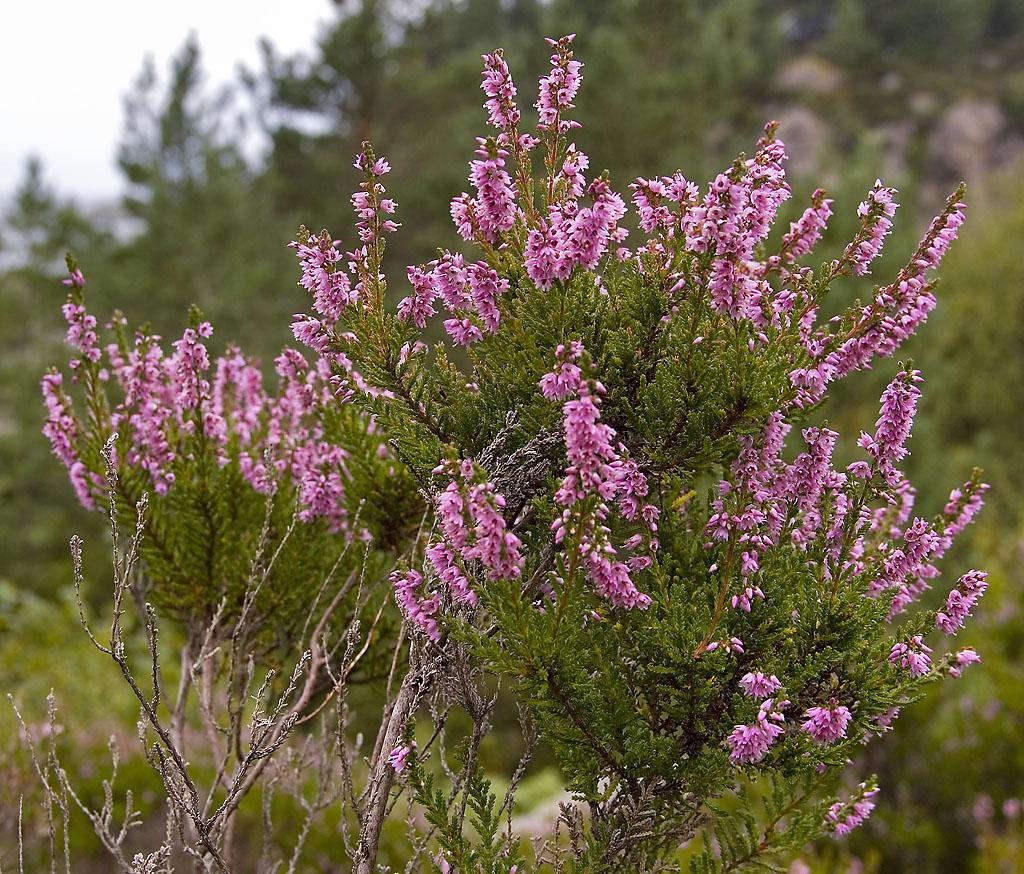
219,458
689,599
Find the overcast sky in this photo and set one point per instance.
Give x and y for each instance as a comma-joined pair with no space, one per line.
65,66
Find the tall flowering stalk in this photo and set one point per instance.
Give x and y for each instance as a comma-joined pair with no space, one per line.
673,646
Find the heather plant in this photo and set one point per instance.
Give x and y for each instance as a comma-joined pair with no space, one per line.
702,615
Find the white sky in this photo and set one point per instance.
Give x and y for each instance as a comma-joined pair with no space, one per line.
65,66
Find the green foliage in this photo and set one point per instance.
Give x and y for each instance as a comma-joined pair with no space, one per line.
761,828
487,851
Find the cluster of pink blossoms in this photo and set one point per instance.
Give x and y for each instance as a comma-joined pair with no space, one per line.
399,756
961,600
845,817
572,236
962,658
914,656
758,685
559,87
417,603
876,222
598,473
895,313
61,429
748,744
335,285
827,724
368,201
661,203
170,407
569,234
767,499
816,506
497,84
735,216
803,234
470,293
469,511
896,419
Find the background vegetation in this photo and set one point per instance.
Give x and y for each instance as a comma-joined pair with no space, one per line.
921,93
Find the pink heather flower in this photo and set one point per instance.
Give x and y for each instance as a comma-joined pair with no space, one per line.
750,743
399,755
914,656
899,406
81,333
165,399
759,685
808,479
417,608
845,817
485,286
321,474
593,228
323,278
463,332
885,720
747,507
650,197
827,724
734,217
494,546
463,215
544,260
596,470
497,84
75,279
418,307
983,809
189,362
310,332
896,311
469,511
559,87
451,513
451,282
907,568
369,203
805,232
963,658
729,645
589,449
572,170
654,200
939,236
745,599
238,398
740,205
61,429
448,570
876,221
565,380
963,505
961,600
495,207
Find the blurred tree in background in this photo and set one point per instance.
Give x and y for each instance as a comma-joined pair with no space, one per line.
217,179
